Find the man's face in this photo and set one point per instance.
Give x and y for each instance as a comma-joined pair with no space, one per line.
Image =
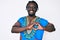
31,8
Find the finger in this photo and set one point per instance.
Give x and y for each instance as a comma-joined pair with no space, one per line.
36,23
34,28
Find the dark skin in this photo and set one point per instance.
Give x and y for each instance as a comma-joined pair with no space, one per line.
31,10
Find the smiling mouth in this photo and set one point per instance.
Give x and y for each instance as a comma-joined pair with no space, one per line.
31,11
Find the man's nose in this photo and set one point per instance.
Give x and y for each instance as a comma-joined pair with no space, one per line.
31,8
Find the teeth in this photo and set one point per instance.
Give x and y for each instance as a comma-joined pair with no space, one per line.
31,11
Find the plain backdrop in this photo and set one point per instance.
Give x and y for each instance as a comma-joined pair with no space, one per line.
12,10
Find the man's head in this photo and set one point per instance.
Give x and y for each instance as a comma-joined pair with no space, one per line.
32,7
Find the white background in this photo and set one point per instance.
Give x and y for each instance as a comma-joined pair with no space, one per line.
12,10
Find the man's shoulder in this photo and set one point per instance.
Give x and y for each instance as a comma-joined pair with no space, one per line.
41,18
22,18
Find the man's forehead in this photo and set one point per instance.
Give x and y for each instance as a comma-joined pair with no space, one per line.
31,4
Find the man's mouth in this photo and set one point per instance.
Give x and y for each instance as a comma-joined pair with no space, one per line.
31,11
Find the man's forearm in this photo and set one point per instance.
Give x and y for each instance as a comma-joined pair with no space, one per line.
49,28
17,29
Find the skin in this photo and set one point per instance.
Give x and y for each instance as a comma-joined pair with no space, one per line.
16,28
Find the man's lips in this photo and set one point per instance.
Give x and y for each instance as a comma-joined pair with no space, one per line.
31,11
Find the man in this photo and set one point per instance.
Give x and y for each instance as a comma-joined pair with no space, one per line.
32,27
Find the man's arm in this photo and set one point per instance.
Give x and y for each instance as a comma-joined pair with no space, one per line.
50,28
16,28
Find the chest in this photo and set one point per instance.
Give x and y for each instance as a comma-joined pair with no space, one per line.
27,21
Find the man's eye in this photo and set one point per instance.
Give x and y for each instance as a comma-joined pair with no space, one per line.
32,7
35,7
28,7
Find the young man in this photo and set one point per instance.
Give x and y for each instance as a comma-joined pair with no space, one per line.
32,27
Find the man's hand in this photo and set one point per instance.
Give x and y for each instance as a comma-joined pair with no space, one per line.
39,26
30,26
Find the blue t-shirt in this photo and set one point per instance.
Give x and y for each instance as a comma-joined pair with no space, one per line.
38,34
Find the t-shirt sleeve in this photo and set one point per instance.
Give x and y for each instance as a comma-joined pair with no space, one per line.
43,22
20,20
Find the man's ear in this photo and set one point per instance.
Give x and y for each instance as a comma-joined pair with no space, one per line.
26,8
37,10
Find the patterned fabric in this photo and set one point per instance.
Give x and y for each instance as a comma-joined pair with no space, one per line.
35,34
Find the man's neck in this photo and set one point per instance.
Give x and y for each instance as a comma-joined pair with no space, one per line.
31,17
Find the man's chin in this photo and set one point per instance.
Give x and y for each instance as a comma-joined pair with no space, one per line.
31,15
